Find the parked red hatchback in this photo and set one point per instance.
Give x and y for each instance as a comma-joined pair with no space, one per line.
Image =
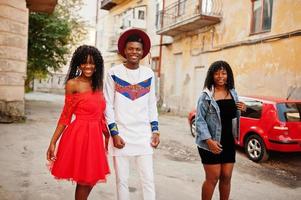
269,124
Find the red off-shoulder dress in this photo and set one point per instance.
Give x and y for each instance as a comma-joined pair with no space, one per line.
81,154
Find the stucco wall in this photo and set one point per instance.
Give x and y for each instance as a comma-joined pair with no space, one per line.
13,56
268,67
107,27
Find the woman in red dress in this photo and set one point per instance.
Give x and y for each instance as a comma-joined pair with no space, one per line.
81,153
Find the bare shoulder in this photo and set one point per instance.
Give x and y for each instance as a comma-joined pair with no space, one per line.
70,87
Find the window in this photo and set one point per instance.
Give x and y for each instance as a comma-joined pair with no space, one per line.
141,14
157,15
181,7
207,6
254,109
261,15
289,112
126,23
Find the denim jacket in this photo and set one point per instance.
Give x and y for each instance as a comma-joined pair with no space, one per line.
208,119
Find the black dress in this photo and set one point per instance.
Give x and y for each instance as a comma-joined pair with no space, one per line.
227,112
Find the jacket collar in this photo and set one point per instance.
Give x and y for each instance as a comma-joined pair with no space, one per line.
209,93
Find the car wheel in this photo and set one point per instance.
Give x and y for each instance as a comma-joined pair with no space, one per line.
193,127
255,149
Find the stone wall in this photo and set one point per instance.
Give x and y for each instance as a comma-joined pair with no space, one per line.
13,56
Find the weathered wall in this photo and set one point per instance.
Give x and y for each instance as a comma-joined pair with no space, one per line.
107,29
13,56
269,67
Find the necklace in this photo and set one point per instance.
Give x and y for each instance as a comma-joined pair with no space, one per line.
132,75
219,97
226,95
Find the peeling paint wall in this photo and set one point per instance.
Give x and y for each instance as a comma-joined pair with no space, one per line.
264,69
268,68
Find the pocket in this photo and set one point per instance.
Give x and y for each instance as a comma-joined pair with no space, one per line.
211,110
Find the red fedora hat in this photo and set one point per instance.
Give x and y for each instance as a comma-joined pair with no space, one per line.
124,36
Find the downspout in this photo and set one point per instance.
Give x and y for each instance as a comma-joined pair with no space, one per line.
160,55
161,41
96,22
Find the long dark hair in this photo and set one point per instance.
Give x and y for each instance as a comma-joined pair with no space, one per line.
80,56
214,67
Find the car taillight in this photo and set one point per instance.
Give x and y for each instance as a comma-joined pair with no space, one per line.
281,128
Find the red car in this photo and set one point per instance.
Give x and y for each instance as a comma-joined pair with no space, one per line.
269,124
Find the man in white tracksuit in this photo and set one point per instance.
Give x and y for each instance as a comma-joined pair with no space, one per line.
131,114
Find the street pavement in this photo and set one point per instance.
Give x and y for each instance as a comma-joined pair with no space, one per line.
178,171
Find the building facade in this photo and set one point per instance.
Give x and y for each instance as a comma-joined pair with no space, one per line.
13,53
115,17
260,39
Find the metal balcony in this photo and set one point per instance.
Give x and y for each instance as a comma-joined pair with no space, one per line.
107,4
188,15
44,6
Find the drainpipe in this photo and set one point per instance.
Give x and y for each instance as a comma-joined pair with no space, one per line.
161,41
160,56
96,22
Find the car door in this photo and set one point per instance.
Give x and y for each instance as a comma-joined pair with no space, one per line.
251,119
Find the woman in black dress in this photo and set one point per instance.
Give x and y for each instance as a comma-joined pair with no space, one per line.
217,120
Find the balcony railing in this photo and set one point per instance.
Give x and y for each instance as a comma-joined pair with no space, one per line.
107,4
189,15
41,5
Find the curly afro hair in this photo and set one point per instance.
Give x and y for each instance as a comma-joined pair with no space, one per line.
80,56
216,66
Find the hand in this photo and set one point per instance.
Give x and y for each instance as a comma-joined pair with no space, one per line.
241,106
107,142
155,140
50,153
118,142
107,135
214,146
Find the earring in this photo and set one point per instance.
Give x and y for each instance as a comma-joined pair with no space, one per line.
78,72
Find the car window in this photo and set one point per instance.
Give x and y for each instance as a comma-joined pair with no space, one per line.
289,112
254,109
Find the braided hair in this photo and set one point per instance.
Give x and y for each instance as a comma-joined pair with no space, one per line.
80,56
216,66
